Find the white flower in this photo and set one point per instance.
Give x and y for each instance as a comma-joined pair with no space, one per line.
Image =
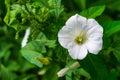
80,36
26,36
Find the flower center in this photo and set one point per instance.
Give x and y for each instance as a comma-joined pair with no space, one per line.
80,39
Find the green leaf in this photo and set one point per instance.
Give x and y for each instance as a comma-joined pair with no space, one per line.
113,74
7,17
13,66
69,75
76,73
41,36
32,56
38,46
42,2
84,73
34,49
49,43
81,3
11,16
95,66
113,4
51,72
111,27
116,50
4,48
30,76
57,7
27,66
5,74
93,12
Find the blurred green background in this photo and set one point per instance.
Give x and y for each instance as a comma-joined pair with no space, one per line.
13,66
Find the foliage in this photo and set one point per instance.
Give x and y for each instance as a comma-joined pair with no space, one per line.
43,57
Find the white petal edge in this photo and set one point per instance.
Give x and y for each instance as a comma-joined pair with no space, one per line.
94,46
26,36
77,23
83,52
64,42
73,27
74,19
94,35
65,36
78,52
93,28
73,52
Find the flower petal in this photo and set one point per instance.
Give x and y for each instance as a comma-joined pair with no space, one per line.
73,20
72,28
94,29
26,36
94,36
78,52
83,52
65,36
77,23
73,51
94,46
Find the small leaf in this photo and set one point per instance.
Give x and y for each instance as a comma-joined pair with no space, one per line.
84,73
69,75
7,17
93,12
32,51
41,36
76,73
111,27
49,43
10,18
38,46
32,56
57,7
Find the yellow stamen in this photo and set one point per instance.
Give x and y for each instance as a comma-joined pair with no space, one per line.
80,39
